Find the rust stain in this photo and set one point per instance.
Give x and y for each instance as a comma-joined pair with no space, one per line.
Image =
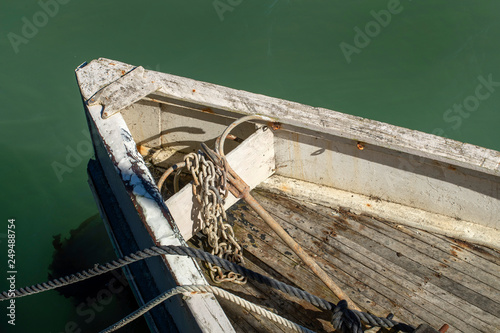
143,150
451,167
394,304
112,64
284,188
123,72
194,90
368,205
454,250
444,328
470,246
208,110
274,125
360,145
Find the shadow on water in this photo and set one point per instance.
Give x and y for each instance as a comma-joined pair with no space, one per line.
99,301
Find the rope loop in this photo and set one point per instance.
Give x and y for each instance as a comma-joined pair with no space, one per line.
345,320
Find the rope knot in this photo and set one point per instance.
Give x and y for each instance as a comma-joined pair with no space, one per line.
345,320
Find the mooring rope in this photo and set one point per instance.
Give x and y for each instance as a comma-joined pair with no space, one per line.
205,256
207,289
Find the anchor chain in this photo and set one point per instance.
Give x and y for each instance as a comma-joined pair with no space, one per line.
210,190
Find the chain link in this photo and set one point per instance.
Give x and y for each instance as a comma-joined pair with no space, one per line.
209,188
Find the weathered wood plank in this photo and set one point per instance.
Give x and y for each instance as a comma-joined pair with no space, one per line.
374,206
429,296
445,253
367,298
426,277
414,286
435,271
372,277
488,258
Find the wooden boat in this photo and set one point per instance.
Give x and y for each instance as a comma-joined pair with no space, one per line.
406,222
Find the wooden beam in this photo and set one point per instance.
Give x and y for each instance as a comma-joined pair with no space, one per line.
253,160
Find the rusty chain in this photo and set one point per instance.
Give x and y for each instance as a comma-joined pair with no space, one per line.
209,188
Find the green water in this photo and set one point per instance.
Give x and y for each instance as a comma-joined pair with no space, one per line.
409,70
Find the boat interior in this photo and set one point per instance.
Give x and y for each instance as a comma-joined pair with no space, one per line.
385,224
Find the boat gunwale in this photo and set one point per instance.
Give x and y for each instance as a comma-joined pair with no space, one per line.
292,114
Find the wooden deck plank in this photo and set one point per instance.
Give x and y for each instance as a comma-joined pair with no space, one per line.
383,267
477,255
373,236
276,255
419,286
440,250
470,314
372,300
455,280
396,276
452,299
434,294
396,290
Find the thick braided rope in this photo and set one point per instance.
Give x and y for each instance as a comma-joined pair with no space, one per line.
204,289
345,320
205,256
77,277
